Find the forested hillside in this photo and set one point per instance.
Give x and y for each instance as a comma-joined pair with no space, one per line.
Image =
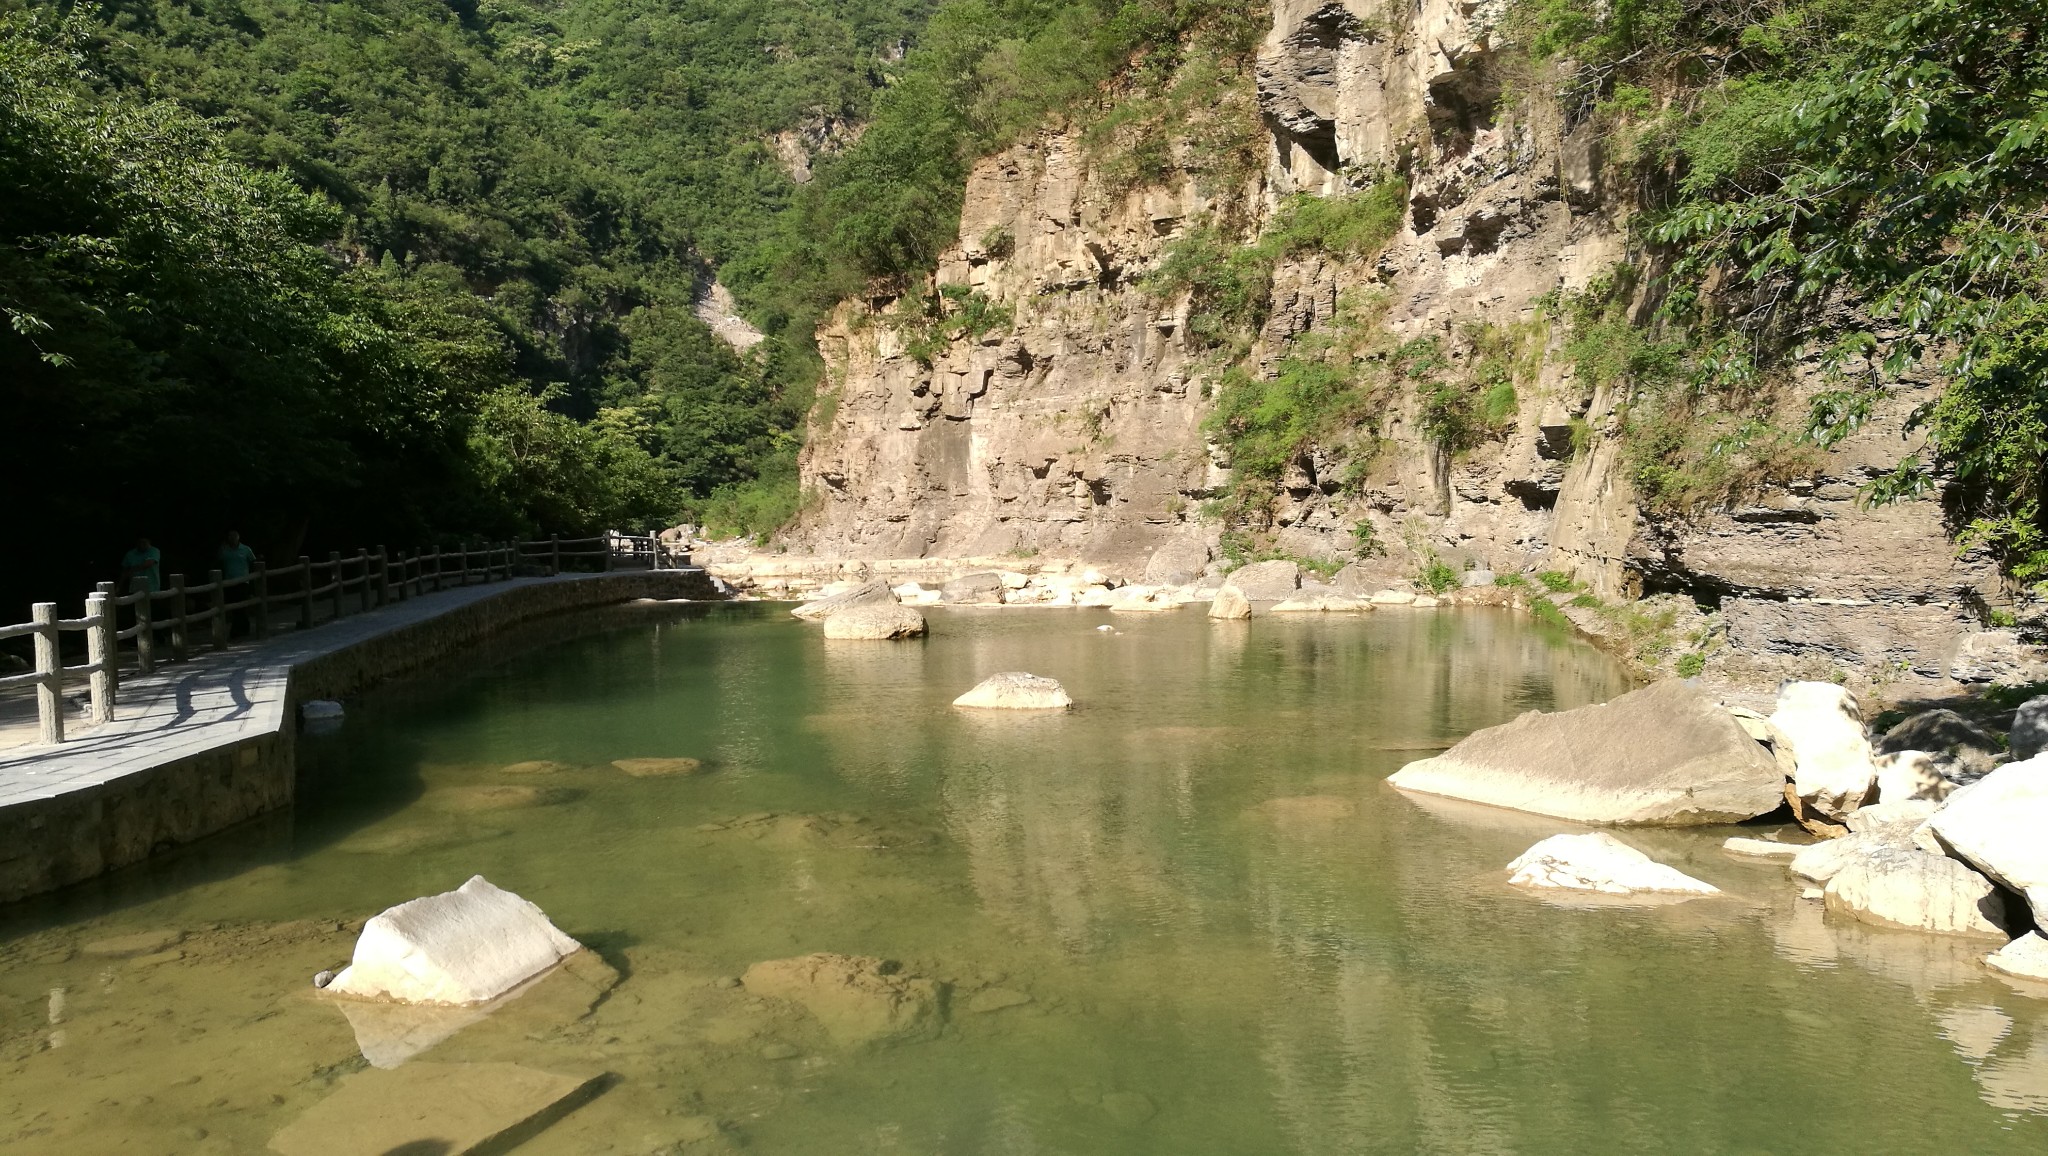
384,270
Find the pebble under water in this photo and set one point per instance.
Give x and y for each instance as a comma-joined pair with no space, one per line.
1187,917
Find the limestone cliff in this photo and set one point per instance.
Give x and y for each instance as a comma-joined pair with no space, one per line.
1077,431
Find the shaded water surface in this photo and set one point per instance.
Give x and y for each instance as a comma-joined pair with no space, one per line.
1187,917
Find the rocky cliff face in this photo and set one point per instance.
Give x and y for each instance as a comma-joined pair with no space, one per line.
1078,431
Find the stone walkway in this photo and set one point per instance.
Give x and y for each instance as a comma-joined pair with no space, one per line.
214,699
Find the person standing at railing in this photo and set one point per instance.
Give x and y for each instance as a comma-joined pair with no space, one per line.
142,561
235,560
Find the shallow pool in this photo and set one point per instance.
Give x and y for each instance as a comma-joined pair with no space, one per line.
1187,917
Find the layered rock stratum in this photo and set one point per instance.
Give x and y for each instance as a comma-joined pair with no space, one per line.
1077,431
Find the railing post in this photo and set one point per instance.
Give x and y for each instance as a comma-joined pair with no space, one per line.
99,651
261,622
554,555
334,560
605,552
112,641
177,618
305,593
437,567
363,595
383,577
145,627
220,609
49,664
465,563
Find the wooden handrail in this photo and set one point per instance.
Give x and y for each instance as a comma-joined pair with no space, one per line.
367,578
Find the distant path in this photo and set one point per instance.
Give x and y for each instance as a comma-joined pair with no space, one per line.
201,745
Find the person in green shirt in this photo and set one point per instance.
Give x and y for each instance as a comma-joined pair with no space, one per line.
142,561
235,557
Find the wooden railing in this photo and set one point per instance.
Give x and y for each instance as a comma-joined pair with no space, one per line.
268,599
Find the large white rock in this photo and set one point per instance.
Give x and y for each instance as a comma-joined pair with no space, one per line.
875,620
1999,825
2026,957
1907,887
876,590
1016,690
459,947
1664,755
1600,862
1266,581
1829,748
1230,603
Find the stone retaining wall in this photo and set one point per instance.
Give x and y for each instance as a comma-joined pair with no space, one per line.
47,843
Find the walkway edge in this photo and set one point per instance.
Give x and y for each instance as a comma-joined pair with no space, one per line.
213,776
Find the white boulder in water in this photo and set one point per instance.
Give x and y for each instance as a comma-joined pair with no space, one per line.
1599,862
875,620
2026,957
1907,887
459,947
1824,724
1016,690
1230,603
1665,755
1999,825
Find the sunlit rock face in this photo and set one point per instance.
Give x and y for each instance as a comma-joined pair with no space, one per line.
1077,430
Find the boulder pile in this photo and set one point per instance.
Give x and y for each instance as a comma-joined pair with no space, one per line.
1929,828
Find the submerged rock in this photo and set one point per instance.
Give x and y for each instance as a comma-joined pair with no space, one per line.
1762,848
1016,690
2025,957
1907,887
1825,727
534,767
1230,603
135,943
1599,862
437,1108
503,797
859,999
996,999
873,591
2000,826
390,1034
464,946
1661,756
659,768
875,620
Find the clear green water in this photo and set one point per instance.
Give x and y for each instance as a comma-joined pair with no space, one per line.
1235,938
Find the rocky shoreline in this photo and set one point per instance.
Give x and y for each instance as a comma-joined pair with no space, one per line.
1933,826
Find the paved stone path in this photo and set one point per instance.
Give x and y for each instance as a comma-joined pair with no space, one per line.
214,699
